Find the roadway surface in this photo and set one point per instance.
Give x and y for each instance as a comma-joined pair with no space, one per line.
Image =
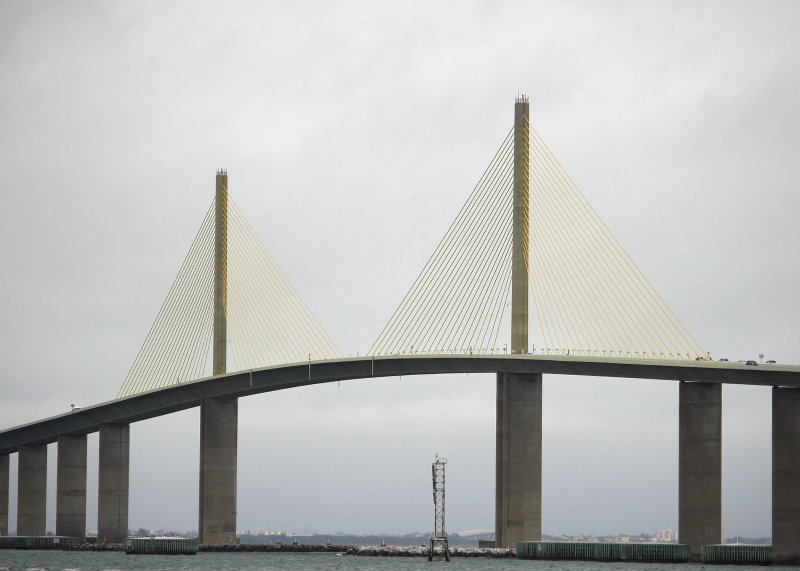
233,385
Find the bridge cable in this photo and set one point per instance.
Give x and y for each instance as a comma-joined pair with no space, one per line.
435,306
153,364
451,305
642,304
588,295
268,323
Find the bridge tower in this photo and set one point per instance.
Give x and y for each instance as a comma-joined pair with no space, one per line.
219,417
518,480
520,229
219,363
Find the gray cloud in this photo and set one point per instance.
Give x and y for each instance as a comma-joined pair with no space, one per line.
352,134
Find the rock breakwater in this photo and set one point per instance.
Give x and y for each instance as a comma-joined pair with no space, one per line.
422,551
275,548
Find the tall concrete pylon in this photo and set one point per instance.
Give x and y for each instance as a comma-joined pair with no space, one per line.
518,484
520,230
219,363
219,417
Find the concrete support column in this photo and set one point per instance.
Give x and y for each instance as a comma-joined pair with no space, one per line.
3,494
700,465
518,487
218,441
112,484
32,490
71,486
786,474
518,459
219,418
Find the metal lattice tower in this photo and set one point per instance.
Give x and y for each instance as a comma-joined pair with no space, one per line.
439,549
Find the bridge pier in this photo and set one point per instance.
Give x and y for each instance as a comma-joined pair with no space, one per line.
518,484
32,490
786,474
700,465
112,484
218,455
71,486
3,494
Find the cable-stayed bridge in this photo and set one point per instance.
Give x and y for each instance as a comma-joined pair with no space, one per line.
527,281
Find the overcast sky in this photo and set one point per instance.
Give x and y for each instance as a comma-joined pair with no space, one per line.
352,133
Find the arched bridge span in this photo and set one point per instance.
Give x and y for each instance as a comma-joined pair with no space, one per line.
232,385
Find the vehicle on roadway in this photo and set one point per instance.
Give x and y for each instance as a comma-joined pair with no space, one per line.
751,363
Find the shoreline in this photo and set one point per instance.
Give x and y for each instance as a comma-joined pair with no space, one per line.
353,550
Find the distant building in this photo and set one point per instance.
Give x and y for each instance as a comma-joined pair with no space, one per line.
666,535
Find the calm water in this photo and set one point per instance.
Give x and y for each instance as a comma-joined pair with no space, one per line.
89,561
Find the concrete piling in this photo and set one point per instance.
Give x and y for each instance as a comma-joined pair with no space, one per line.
32,490
3,494
218,452
518,485
700,466
786,474
112,485
71,486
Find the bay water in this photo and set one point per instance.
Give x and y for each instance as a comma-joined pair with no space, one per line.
107,561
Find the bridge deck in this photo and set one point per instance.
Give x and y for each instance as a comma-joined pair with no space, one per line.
189,395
